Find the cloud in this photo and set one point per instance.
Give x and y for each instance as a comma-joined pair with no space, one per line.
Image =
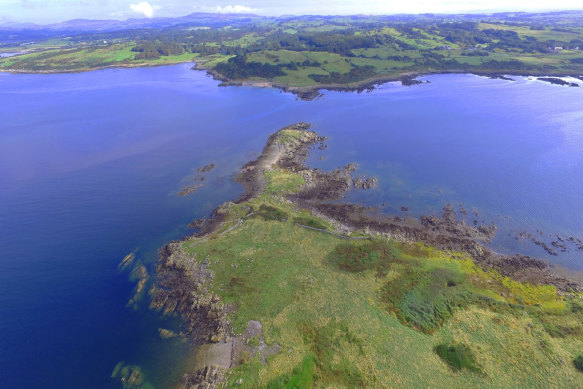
28,4
235,9
143,8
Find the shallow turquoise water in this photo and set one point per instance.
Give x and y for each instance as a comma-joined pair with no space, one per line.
91,163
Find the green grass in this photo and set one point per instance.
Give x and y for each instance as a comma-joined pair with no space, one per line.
544,35
212,60
289,136
327,344
282,181
80,59
329,62
171,59
277,57
336,317
244,41
301,376
299,77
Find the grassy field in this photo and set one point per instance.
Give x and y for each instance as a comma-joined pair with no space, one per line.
545,34
81,59
377,313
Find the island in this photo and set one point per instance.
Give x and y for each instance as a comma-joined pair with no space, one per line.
289,286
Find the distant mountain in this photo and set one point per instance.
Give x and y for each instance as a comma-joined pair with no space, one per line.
222,19
88,25
17,25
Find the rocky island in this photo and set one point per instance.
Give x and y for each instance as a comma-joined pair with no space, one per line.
289,287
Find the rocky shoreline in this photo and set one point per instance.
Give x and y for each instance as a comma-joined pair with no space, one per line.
312,92
184,283
308,93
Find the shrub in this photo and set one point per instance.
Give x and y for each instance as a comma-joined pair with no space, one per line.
553,330
271,213
457,356
310,222
357,258
426,299
328,345
578,362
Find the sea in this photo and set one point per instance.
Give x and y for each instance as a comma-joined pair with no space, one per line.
91,166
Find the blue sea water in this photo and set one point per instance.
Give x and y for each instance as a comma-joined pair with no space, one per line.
6,55
91,164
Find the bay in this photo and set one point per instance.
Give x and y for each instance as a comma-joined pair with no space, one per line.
91,165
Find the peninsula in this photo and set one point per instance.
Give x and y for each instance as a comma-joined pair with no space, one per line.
288,287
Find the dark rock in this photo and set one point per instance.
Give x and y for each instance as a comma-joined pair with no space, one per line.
183,287
197,224
365,183
411,80
558,81
488,231
498,77
209,377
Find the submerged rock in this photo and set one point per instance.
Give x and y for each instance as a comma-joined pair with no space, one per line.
365,183
130,376
166,334
206,168
140,274
126,262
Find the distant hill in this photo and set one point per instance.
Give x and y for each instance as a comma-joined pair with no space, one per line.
88,25
571,17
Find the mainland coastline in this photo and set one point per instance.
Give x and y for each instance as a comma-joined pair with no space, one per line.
310,92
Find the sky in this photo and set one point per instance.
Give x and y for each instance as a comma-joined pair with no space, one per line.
49,11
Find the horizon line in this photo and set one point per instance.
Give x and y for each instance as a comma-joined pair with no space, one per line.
460,13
